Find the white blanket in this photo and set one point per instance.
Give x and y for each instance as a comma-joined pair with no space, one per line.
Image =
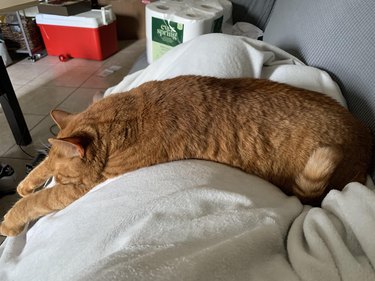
198,220
229,56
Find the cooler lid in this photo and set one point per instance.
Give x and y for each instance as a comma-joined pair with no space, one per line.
90,19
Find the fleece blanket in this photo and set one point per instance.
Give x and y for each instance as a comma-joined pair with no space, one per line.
199,220
228,56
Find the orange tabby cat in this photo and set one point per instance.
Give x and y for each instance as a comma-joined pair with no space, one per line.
302,141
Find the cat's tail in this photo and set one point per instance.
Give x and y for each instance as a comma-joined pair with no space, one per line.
310,184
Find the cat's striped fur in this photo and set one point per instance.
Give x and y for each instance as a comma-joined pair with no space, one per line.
302,141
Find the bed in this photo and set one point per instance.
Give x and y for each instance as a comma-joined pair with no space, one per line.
199,220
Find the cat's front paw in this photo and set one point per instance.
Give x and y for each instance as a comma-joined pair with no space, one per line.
7,229
25,188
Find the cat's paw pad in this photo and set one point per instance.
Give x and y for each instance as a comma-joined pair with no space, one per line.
6,230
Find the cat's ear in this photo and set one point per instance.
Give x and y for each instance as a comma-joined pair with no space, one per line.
71,146
60,117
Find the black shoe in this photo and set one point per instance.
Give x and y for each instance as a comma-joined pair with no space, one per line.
6,170
7,184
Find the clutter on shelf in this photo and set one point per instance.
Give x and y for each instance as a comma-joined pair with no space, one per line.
13,36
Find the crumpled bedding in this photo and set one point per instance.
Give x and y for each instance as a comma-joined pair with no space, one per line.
197,220
227,56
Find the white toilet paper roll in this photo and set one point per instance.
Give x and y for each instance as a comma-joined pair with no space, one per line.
213,6
172,22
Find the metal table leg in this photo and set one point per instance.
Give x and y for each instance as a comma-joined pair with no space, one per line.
11,108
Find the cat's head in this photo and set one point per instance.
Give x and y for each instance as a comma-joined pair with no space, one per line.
71,155
71,141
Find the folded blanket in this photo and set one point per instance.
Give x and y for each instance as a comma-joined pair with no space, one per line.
336,242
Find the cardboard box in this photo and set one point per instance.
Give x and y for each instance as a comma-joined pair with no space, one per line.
130,16
64,7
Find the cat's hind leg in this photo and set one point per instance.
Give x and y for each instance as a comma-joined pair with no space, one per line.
38,176
310,184
37,205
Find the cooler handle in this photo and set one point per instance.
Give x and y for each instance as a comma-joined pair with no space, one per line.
105,10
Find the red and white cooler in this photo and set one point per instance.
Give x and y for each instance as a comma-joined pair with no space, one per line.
89,35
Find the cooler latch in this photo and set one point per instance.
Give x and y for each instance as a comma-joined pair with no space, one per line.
107,10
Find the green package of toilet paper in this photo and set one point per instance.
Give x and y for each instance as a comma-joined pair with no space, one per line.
166,34
170,22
